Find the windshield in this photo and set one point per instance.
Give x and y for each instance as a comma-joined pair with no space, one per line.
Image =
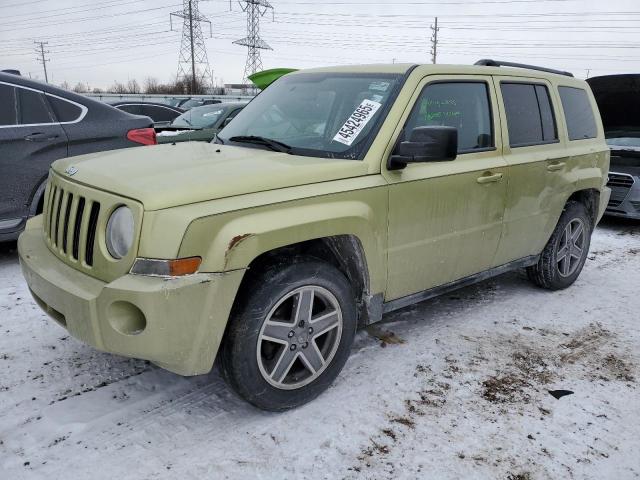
199,117
318,114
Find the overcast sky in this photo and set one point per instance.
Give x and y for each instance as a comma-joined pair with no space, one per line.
102,41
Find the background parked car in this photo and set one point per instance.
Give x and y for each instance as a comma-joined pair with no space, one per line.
198,102
200,123
175,101
40,123
160,113
618,98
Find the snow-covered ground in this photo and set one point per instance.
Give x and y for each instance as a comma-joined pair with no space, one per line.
457,387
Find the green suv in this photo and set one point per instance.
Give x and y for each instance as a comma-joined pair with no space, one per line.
335,196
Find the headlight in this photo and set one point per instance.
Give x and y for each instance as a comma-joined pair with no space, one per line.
120,232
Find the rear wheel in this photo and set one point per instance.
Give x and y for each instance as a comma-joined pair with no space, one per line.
564,256
290,334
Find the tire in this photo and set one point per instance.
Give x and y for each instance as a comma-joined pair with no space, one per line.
269,331
560,262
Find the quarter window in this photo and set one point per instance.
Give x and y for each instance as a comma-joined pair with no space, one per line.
8,105
64,111
530,119
578,113
32,107
463,105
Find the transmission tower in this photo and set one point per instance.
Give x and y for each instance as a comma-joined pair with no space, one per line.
193,65
254,9
41,58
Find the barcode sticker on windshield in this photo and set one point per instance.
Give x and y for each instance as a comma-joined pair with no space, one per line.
356,122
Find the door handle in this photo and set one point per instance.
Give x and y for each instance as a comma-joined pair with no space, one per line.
554,167
496,177
40,137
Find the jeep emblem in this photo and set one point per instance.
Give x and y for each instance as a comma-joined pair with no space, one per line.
71,171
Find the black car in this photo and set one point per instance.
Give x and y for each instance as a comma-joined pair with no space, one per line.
160,113
39,124
618,99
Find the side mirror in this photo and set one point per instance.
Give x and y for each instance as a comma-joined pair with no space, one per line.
226,122
426,144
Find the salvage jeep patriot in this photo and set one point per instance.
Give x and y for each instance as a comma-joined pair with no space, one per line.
335,196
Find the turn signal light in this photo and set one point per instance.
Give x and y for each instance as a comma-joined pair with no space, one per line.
166,268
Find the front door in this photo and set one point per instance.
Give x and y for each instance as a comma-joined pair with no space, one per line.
445,218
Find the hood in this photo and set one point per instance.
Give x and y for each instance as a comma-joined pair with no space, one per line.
618,99
164,176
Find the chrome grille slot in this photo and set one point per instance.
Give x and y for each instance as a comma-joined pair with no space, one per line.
65,231
76,229
59,199
52,202
91,232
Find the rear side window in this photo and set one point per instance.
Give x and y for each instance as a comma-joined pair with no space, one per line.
159,114
464,105
133,109
64,111
8,105
578,113
32,107
530,119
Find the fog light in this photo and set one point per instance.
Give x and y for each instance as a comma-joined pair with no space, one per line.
126,318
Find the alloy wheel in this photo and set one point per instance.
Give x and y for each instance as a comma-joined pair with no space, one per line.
299,337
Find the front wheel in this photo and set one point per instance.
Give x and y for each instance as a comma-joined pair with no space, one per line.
564,256
290,334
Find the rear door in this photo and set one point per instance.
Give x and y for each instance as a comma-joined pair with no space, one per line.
445,218
30,140
535,149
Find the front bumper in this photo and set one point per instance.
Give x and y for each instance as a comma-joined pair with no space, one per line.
176,323
605,196
626,202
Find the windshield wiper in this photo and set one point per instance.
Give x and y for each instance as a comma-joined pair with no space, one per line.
267,142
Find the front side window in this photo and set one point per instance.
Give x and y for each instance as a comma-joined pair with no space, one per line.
578,113
332,115
463,105
530,118
32,107
8,105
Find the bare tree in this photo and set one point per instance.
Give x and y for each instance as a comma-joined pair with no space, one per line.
152,86
133,86
81,88
118,87
65,85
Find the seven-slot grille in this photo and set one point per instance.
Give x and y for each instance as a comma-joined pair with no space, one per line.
70,223
620,185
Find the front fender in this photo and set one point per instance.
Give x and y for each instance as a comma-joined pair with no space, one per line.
231,241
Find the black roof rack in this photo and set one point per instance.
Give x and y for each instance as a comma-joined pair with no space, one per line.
498,63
